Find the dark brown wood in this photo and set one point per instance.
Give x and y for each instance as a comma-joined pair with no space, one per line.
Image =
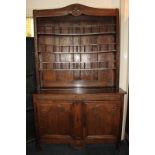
36,53
75,10
118,49
77,49
102,118
79,119
78,100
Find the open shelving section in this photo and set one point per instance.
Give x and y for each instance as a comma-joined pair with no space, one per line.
77,49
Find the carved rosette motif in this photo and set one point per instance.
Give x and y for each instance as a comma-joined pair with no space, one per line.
76,12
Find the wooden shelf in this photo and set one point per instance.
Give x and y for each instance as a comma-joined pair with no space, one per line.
75,62
91,44
52,29
97,69
74,27
93,52
93,65
76,34
75,49
81,47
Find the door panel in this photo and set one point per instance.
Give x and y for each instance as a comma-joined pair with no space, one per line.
77,130
102,119
54,118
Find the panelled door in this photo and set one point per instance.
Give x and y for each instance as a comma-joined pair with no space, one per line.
65,121
102,120
54,120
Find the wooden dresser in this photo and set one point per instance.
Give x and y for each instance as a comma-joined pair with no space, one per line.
78,100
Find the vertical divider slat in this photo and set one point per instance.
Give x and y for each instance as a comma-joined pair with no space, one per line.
72,41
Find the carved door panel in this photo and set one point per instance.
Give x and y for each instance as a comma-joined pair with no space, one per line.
54,120
77,111
102,120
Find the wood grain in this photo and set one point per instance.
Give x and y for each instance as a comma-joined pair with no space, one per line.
78,100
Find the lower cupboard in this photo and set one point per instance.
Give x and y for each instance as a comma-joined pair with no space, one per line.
78,119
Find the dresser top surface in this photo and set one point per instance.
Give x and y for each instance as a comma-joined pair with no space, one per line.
78,91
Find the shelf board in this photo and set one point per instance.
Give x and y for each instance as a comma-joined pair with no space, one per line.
76,34
93,52
74,27
97,69
73,62
78,45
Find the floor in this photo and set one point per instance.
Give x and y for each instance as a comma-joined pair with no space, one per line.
60,149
